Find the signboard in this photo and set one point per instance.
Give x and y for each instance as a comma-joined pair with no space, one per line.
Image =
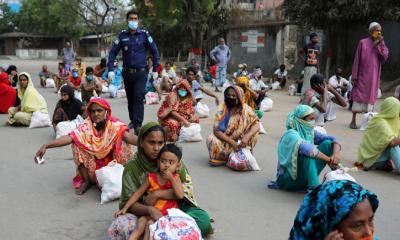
252,40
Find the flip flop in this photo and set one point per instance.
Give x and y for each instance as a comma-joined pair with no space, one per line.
353,126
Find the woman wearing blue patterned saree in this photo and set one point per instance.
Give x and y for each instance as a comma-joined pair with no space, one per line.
303,152
336,210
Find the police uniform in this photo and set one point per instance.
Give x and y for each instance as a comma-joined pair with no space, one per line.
134,54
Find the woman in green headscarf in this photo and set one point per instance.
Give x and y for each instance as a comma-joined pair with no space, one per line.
381,140
299,160
150,141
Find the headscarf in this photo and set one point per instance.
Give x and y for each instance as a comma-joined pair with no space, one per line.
298,131
8,94
72,107
4,79
381,130
87,138
243,80
31,100
136,171
326,206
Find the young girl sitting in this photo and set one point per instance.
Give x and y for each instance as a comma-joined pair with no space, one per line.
165,178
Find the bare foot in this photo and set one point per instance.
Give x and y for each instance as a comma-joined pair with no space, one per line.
83,188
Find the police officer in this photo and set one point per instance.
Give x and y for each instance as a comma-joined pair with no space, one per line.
134,43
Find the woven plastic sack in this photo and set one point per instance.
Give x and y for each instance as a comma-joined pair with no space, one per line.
109,178
40,119
191,133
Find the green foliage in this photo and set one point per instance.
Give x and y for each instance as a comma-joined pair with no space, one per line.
7,19
48,17
322,13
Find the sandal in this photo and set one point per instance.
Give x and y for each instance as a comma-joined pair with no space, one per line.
353,126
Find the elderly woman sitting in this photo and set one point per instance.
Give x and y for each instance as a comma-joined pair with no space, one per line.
177,110
299,161
381,142
96,142
234,121
336,210
31,101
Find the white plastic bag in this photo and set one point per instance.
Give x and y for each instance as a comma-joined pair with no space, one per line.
292,90
365,120
276,85
266,105
50,83
40,119
243,160
202,110
191,133
104,89
121,93
64,128
177,225
320,129
262,129
78,95
109,178
152,98
339,174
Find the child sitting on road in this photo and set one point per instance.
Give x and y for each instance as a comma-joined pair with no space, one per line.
166,178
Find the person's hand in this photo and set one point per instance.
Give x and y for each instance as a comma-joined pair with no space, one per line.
120,212
168,174
334,235
151,199
235,146
217,101
42,150
244,142
154,213
154,75
186,123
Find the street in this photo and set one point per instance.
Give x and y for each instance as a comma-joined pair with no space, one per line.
38,201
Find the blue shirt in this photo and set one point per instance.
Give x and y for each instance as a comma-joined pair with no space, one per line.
134,50
117,81
309,150
221,55
196,89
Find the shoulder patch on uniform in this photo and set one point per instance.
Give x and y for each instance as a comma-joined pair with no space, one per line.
150,39
116,41
123,31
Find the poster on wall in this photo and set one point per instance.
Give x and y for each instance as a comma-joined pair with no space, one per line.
252,40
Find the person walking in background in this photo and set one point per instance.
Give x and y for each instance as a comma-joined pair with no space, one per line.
68,56
310,54
366,73
134,43
221,54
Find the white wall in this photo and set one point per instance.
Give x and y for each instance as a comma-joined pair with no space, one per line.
27,53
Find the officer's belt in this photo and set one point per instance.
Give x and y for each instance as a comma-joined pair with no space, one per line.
134,70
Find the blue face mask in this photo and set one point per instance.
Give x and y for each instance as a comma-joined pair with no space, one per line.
133,25
89,77
182,92
74,74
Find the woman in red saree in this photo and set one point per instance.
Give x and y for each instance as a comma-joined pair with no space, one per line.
96,142
8,94
177,110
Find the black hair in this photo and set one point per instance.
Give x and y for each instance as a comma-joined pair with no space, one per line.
168,62
10,69
190,69
156,128
312,35
172,148
282,65
132,12
89,69
317,79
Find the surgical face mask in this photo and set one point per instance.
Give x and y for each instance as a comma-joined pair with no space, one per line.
311,123
230,102
133,24
89,77
182,92
74,74
221,45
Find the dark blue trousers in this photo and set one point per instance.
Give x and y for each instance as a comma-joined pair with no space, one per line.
135,83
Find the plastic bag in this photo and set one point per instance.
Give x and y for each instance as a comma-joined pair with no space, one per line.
109,178
202,110
64,128
50,83
177,225
365,120
276,85
320,130
266,105
104,89
262,129
292,90
121,93
40,119
152,98
191,133
78,95
339,174
242,160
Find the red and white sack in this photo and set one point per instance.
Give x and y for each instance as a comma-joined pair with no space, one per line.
152,98
243,160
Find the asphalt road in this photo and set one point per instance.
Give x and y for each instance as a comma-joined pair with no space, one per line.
38,202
